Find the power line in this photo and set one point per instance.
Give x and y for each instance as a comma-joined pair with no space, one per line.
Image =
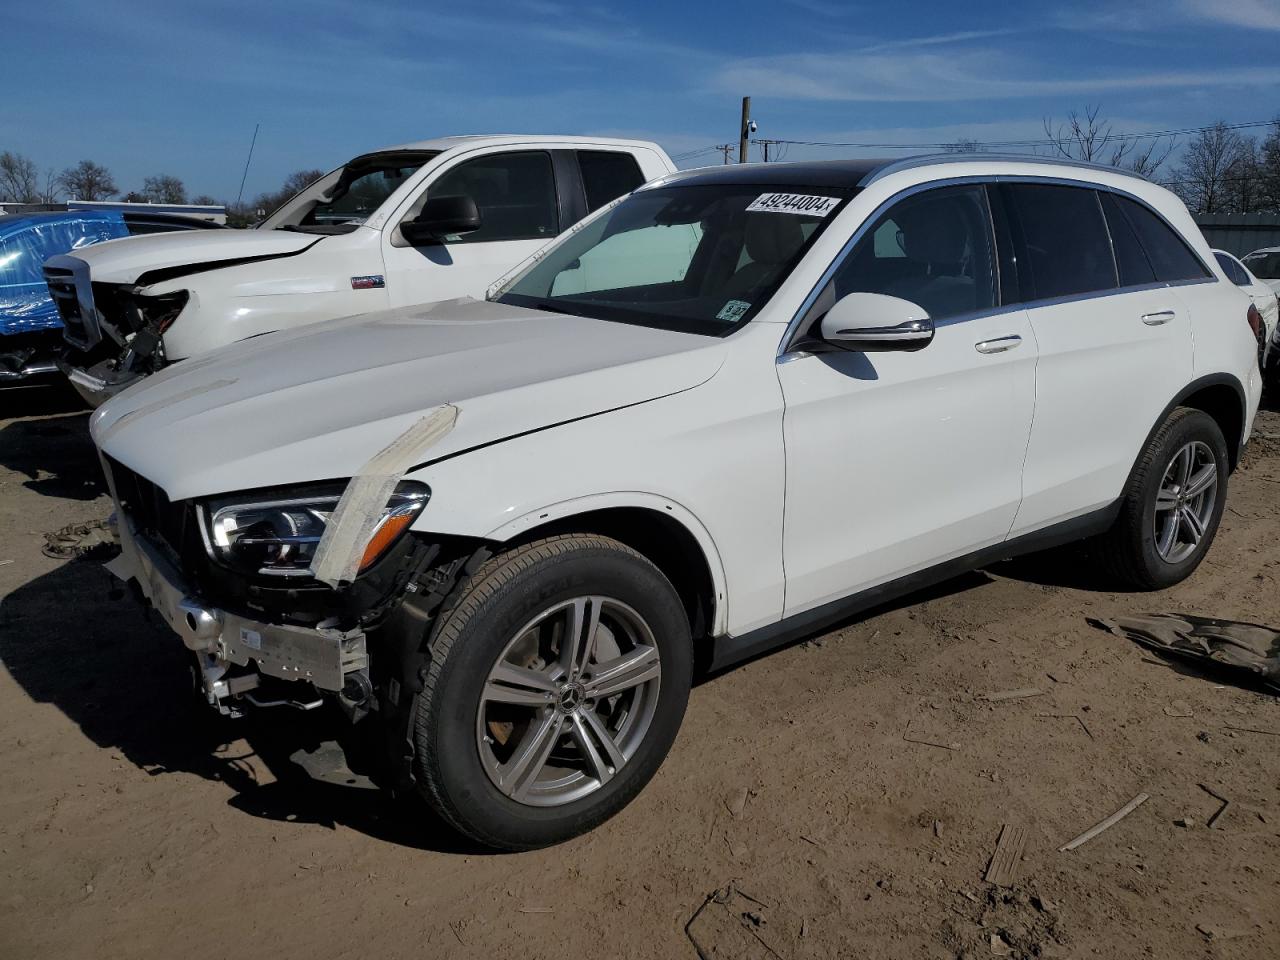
1042,142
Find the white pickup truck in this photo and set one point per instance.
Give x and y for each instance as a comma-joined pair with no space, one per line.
420,222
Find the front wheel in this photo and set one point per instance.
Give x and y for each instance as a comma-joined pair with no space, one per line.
556,687
1172,504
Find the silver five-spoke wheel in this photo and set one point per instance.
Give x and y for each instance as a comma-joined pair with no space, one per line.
1185,501
568,701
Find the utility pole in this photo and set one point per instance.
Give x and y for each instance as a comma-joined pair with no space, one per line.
764,147
726,149
745,130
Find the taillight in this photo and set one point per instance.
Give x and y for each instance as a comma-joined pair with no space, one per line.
1255,321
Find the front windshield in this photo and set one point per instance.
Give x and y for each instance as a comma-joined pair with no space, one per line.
702,258
1264,266
342,200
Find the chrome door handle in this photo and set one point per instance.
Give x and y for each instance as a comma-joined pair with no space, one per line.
1157,318
998,345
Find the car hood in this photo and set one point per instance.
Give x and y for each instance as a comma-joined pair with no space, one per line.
166,255
317,402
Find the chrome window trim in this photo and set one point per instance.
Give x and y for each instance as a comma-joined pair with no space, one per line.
792,330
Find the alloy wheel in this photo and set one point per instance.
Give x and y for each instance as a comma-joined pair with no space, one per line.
568,702
1185,501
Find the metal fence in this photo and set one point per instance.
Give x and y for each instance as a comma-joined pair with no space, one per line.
1240,233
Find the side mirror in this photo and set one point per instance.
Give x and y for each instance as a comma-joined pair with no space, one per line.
873,322
441,217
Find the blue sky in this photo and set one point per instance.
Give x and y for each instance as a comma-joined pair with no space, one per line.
146,87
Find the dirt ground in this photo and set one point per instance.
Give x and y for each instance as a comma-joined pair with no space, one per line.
844,795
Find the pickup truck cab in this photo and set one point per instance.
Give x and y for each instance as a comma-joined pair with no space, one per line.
736,407
426,221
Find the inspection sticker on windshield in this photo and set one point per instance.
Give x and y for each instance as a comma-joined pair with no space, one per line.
793,203
733,310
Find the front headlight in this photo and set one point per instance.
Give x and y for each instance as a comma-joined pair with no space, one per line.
277,534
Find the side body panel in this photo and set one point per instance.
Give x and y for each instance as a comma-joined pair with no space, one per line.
1104,376
712,453
896,461
236,303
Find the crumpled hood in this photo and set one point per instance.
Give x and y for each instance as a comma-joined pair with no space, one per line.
125,260
317,402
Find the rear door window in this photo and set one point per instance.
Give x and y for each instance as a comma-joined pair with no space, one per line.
1065,247
514,192
1169,254
1131,260
607,175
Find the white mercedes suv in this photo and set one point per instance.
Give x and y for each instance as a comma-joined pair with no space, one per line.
732,408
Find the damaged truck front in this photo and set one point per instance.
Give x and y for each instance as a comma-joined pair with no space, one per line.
417,223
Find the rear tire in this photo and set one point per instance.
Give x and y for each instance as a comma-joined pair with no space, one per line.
525,736
1171,506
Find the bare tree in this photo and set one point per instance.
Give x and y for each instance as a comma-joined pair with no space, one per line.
1244,191
294,183
19,179
1086,136
204,200
1269,167
52,188
963,145
88,181
1203,176
163,188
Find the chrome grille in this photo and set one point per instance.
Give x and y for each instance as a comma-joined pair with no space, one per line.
68,281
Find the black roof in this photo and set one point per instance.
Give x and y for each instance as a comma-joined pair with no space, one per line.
802,173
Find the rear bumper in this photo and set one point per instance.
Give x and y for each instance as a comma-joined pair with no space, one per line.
222,640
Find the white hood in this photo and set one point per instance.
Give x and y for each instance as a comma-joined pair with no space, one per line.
317,402
126,259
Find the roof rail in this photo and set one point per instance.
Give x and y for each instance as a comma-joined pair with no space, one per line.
929,159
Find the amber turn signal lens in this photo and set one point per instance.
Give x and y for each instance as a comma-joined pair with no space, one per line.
384,536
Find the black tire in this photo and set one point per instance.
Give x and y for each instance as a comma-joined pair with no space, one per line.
1128,550
506,593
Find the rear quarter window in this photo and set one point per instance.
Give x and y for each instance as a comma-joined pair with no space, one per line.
1170,256
1066,248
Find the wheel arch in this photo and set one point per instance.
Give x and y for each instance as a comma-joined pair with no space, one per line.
665,532
1222,397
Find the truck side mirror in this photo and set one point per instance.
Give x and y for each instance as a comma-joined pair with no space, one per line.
441,217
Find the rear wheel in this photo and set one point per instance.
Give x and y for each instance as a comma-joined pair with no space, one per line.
1172,504
557,685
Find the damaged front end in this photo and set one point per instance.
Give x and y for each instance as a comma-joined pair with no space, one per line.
265,633
113,331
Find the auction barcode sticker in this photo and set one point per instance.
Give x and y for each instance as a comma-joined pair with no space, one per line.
793,203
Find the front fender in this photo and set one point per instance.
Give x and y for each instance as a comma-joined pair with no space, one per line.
635,499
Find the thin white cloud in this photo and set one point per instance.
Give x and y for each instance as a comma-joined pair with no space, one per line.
1259,14
962,75
823,8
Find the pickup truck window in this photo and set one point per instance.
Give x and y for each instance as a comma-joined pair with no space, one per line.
343,199
607,175
514,192
713,254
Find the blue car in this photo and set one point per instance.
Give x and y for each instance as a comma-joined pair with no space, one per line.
30,328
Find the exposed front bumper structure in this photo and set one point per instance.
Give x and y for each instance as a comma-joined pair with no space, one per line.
99,383
320,656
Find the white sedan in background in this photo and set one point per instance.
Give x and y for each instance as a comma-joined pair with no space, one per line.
1259,276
